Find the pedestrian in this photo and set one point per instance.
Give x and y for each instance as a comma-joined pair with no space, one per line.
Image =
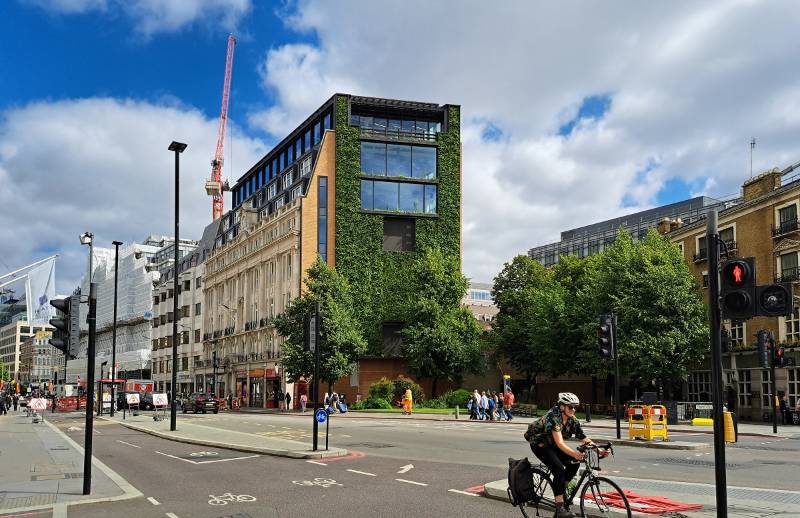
484,406
501,412
303,402
508,402
335,402
408,402
288,401
490,406
278,397
230,401
15,400
785,413
2,404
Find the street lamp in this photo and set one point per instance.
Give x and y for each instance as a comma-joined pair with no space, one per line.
114,332
178,148
87,238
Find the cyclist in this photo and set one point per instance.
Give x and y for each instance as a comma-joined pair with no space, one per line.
546,436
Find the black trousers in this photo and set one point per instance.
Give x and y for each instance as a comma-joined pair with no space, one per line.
560,464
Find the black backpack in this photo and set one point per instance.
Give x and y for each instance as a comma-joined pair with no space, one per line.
520,482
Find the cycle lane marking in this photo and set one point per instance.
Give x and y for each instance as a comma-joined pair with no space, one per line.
153,500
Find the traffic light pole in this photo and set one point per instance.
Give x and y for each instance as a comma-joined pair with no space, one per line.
315,387
616,373
114,332
712,238
774,390
90,353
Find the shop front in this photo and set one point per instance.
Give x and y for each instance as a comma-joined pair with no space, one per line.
256,388
241,386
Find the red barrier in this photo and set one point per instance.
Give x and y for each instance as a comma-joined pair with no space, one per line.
648,504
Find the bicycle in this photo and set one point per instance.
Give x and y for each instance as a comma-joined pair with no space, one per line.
599,496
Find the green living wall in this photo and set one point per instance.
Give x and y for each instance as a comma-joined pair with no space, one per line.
383,290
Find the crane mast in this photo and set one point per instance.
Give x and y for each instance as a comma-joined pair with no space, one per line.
214,186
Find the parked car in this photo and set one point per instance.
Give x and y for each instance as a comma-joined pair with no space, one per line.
200,402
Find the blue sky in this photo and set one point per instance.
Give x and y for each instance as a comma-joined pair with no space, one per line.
635,109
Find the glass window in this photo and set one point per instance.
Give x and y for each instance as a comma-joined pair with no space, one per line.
307,140
298,148
379,124
354,120
423,162
274,170
317,133
366,194
366,122
434,127
408,126
789,264
385,195
422,127
411,198
394,126
398,160
430,199
373,158
326,122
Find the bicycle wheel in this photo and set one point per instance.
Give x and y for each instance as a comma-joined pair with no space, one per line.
601,496
544,491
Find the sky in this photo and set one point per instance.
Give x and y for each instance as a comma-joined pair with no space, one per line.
572,112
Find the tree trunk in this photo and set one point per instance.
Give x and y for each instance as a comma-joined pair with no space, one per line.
433,388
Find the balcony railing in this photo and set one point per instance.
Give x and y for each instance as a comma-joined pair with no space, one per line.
785,227
788,275
702,255
398,134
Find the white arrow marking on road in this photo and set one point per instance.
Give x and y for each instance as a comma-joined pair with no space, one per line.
406,468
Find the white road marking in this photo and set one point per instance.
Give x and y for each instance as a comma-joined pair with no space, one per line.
362,472
172,515
406,468
226,460
153,500
462,492
316,462
410,482
174,457
129,444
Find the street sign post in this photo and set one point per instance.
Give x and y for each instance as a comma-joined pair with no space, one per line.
321,415
313,331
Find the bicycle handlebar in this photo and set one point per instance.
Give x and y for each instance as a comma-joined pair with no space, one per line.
591,446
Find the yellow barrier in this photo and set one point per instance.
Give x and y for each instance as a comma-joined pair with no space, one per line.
636,422
656,422
730,431
702,421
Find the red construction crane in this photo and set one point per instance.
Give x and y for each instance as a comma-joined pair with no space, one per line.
215,187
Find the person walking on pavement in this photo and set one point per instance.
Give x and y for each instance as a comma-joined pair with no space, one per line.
408,402
288,401
303,402
490,405
508,402
484,406
15,401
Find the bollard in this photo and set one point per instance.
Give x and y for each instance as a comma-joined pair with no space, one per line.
589,413
456,411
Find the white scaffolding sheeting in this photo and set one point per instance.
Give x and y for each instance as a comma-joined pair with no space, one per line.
128,362
134,300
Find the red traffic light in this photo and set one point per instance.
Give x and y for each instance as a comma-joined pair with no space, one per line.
736,273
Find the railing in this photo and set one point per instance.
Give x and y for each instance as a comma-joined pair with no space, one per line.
688,410
398,134
788,275
785,227
702,255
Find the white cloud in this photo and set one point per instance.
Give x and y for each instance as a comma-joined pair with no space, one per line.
690,84
102,165
158,16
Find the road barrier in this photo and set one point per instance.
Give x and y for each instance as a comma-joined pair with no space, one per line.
647,422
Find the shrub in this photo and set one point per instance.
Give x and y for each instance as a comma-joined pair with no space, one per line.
383,389
435,403
400,386
375,402
458,397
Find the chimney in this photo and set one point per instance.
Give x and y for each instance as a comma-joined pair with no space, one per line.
762,184
664,226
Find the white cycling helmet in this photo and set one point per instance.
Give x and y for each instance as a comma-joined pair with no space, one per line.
568,398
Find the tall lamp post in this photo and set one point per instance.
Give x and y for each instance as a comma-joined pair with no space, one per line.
86,239
178,148
114,332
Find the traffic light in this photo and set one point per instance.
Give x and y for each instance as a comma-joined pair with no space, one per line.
738,289
763,349
66,336
605,336
780,358
775,300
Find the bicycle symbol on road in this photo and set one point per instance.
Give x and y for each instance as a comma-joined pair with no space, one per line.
203,454
322,482
230,497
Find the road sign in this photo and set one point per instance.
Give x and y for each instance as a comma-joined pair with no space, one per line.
312,336
160,400
38,403
132,399
322,415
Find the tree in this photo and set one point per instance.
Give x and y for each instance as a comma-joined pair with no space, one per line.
5,375
530,305
662,329
441,339
341,338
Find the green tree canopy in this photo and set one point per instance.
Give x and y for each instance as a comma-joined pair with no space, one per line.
340,335
442,338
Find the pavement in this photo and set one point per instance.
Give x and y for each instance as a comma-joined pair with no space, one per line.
42,468
191,432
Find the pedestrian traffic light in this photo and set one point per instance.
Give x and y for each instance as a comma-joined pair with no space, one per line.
738,289
775,300
763,349
66,336
605,336
780,357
